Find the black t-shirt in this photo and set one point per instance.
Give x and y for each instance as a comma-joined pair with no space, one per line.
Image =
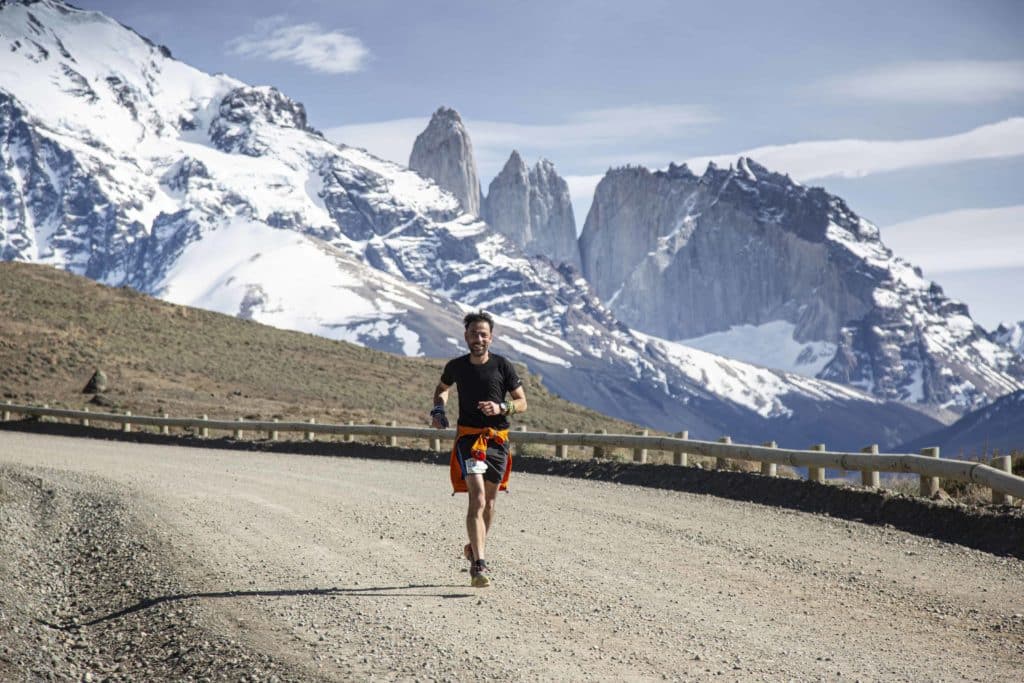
486,382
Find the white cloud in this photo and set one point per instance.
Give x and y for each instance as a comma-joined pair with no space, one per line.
959,82
304,44
966,239
858,158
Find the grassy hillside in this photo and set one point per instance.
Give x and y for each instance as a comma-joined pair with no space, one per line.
56,329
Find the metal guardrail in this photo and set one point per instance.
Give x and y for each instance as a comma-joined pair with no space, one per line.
928,465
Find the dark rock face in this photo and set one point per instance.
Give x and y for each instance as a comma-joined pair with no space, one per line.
444,153
681,256
54,209
533,208
243,108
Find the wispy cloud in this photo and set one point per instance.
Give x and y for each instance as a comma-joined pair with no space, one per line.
956,82
858,158
595,131
304,44
967,239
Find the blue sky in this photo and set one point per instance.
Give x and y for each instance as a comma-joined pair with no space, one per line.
912,111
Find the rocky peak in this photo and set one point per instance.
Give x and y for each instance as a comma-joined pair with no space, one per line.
534,209
245,108
1011,336
443,152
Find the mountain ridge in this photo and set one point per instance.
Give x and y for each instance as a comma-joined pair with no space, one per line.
215,194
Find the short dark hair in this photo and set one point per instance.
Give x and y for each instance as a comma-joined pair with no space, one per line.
479,317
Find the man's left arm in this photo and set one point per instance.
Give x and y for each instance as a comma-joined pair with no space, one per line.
518,402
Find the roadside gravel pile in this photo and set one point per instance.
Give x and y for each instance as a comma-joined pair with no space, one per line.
77,581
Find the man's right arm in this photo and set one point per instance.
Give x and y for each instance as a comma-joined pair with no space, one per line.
438,419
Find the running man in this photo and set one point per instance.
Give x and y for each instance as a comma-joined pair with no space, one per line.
480,460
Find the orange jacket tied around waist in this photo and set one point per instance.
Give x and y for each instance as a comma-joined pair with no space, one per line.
484,435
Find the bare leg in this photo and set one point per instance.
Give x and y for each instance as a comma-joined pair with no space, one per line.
476,525
490,498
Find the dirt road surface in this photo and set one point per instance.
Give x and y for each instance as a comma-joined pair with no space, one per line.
123,561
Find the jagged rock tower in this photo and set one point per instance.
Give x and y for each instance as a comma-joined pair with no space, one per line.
444,153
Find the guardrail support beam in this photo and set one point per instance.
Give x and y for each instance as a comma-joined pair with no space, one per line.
769,469
562,450
1004,463
680,457
392,440
816,473
640,454
929,485
870,478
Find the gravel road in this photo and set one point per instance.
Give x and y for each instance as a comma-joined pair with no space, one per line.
124,561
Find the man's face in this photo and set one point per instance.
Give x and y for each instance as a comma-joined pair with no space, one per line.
478,338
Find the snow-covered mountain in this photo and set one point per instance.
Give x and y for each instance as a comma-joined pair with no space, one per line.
747,262
995,429
125,165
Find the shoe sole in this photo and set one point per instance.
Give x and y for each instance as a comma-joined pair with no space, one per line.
481,582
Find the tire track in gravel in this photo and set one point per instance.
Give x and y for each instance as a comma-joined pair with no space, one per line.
343,568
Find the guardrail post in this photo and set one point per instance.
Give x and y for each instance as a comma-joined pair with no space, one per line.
127,425
273,432
42,418
720,462
562,450
7,412
204,431
870,478
238,432
681,457
85,420
640,454
816,473
599,451
165,429
769,469
392,440
929,485
1004,463
349,438
435,444
310,436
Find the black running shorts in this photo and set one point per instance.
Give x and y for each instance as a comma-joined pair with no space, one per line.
497,457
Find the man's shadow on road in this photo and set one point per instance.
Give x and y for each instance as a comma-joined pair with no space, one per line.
368,592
